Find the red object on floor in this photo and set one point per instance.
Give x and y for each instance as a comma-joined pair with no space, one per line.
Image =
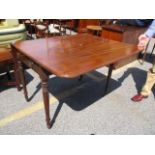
138,97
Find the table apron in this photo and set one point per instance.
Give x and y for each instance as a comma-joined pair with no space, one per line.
37,68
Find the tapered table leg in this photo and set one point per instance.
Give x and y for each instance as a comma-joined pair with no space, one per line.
108,78
16,73
23,81
16,67
44,84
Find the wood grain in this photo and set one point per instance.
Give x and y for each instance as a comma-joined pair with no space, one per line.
71,56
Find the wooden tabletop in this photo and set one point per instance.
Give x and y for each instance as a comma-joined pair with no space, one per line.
71,56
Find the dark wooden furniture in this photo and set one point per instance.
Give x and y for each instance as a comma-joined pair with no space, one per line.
63,25
81,24
68,57
30,27
127,34
6,62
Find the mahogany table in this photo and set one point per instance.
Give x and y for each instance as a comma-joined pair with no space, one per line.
69,57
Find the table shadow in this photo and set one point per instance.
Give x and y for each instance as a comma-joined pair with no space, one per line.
92,89
78,95
3,79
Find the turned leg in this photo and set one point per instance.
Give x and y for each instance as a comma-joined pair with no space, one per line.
16,67
44,84
22,77
16,74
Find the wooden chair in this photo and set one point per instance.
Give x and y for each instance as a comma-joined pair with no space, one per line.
45,29
53,31
63,25
30,27
41,29
66,24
